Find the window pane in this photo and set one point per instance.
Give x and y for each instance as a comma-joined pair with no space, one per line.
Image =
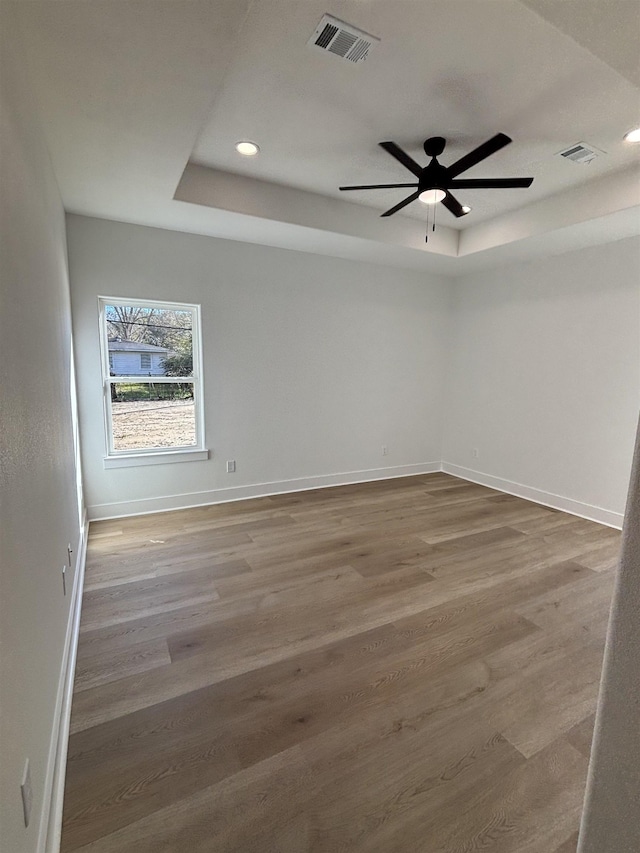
147,341
152,414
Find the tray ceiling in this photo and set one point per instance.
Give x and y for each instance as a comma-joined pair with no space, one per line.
142,104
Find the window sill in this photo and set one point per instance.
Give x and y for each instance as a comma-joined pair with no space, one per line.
161,457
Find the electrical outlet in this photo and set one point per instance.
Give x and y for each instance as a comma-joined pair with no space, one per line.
475,452
27,793
64,580
385,450
231,466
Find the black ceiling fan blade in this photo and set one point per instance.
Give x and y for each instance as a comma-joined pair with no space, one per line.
401,204
489,183
402,157
478,154
377,187
454,205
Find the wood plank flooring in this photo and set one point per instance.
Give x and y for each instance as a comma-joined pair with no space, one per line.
409,665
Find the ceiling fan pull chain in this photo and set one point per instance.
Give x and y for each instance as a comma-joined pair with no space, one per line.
426,239
434,217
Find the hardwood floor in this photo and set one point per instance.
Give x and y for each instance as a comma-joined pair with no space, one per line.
409,665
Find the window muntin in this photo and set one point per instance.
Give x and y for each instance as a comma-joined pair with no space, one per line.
152,376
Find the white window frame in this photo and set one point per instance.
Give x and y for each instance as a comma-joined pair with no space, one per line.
152,455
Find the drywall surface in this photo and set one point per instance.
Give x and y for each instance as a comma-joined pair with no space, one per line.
611,818
311,364
544,375
38,502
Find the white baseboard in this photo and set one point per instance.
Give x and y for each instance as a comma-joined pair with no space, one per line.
584,510
164,503
99,512
51,818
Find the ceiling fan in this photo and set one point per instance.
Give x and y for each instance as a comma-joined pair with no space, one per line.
435,181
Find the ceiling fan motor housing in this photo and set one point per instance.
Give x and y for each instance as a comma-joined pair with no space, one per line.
434,176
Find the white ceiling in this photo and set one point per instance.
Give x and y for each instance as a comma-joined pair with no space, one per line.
142,102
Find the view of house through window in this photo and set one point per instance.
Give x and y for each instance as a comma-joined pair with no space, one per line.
151,388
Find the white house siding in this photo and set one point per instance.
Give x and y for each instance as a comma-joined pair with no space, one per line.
128,364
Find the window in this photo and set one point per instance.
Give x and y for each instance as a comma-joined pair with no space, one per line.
152,381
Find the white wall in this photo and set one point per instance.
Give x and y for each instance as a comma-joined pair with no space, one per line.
38,502
544,376
611,818
311,364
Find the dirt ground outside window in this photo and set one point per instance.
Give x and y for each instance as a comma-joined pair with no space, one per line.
153,423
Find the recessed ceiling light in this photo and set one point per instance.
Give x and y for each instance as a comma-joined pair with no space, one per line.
249,149
466,208
633,135
432,196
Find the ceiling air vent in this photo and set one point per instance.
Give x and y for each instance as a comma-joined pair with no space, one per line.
343,40
580,153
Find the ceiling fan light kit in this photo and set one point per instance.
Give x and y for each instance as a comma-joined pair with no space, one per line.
436,181
431,196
